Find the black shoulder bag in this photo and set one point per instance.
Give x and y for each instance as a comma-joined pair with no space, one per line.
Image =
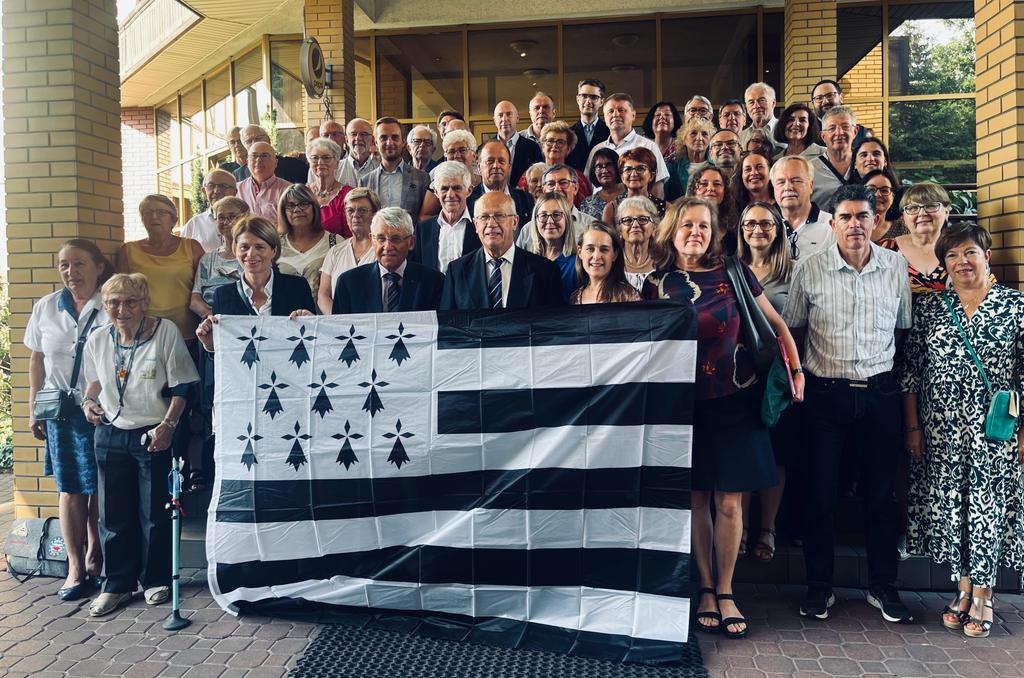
758,335
54,404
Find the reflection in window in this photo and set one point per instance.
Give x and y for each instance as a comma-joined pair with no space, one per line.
931,48
714,56
512,64
933,139
192,122
774,57
286,83
364,79
859,51
418,76
218,109
251,96
621,54
167,135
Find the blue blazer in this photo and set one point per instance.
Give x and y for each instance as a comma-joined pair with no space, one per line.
291,293
428,242
535,282
359,290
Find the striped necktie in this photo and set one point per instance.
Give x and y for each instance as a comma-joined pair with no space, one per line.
494,282
393,291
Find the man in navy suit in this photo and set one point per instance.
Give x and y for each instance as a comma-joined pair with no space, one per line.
499,274
590,128
523,152
392,283
449,235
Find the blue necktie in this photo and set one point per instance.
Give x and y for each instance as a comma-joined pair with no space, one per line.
393,291
494,283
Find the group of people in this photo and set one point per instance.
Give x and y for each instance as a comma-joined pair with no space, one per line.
803,217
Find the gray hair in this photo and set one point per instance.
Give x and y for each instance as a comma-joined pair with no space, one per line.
417,128
451,170
839,110
703,99
323,144
395,217
764,85
456,135
638,201
808,166
558,167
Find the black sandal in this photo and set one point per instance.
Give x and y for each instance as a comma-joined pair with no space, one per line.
710,615
732,620
764,551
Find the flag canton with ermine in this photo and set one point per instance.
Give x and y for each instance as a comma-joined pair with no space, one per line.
523,475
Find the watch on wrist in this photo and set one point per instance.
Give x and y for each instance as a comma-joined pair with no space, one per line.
797,370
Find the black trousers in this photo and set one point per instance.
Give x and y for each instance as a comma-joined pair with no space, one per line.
835,409
135,528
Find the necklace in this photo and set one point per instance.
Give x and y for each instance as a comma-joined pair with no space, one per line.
324,192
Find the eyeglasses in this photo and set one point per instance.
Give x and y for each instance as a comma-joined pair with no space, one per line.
393,239
845,128
296,206
929,207
635,169
601,166
880,190
826,96
557,143
315,159
589,97
698,111
561,183
498,218
357,211
456,152
761,101
550,216
751,226
420,142
260,156
160,213
629,222
359,135
223,187
230,216
121,303
719,145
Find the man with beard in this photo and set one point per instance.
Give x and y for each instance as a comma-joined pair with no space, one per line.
396,182
760,100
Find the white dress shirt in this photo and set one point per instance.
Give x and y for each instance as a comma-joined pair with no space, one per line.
53,330
268,289
203,227
450,238
631,140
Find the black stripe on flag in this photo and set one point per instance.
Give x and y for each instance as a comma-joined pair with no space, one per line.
271,501
630,323
664,573
503,410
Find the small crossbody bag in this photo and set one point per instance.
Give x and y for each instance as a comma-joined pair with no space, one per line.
1001,418
55,404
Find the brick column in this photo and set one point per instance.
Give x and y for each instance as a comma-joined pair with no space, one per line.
63,164
332,23
809,46
138,145
1000,131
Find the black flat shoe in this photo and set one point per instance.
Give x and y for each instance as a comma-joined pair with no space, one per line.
80,590
709,615
731,621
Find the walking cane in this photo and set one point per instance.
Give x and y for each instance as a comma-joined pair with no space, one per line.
175,622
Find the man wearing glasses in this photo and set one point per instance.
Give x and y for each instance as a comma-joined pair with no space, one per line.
421,148
499,274
203,227
828,94
392,283
834,167
359,162
619,115
590,129
808,228
698,107
723,152
560,179
760,101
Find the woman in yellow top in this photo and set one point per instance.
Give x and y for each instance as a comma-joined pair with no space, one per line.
168,262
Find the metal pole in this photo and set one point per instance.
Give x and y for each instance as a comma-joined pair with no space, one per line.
175,622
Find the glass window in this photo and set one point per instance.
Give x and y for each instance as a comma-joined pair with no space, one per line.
774,61
931,48
192,122
218,109
418,76
511,64
714,56
933,139
364,79
251,96
168,136
286,83
621,54
859,52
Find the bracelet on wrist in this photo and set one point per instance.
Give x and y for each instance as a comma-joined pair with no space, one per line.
169,424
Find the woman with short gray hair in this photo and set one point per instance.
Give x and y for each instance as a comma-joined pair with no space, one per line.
636,219
324,156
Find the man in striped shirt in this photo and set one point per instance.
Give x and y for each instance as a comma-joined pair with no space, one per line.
851,302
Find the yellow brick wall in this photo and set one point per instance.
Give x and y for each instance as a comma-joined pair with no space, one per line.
63,167
331,22
999,39
864,81
810,46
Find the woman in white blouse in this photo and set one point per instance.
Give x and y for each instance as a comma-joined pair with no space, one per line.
57,322
360,206
139,371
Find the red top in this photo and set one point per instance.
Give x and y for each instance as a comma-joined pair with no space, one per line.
332,215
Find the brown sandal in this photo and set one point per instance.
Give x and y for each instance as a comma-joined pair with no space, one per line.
765,551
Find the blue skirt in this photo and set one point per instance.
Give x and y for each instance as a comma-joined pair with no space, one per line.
69,454
732,451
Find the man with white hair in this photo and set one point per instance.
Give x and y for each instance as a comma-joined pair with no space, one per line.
542,111
422,143
698,107
834,167
808,228
450,235
262,189
392,283
202,227
360,161
760,101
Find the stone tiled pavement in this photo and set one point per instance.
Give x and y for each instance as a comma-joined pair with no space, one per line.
41,636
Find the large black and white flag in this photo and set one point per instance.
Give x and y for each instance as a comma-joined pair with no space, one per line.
524,474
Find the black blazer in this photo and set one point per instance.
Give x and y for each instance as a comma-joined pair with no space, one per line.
522,200
292,170
527,153
581,151
428,242
359,290
535,282
291,293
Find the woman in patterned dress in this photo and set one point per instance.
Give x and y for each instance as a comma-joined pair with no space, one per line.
965,501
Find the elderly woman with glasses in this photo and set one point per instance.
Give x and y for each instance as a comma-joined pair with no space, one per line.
551,237
636,219
304,242
360,206
556,142
138,372
637,167
218,267
324,156
925,208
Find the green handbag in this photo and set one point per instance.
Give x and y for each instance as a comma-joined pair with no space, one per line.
1001,419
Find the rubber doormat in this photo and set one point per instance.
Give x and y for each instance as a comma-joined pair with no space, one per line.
343,651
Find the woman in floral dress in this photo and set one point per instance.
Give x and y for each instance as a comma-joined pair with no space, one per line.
965,496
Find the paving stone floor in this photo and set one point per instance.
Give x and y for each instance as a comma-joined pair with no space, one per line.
41,636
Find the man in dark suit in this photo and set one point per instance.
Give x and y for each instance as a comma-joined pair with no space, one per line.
499,274
450,235
523,151
590,129
395,181
392,283
494,162
292,170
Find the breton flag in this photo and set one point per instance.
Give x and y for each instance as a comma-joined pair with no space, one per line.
523,475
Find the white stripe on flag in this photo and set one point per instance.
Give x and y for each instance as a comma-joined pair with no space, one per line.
634,527
624,613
